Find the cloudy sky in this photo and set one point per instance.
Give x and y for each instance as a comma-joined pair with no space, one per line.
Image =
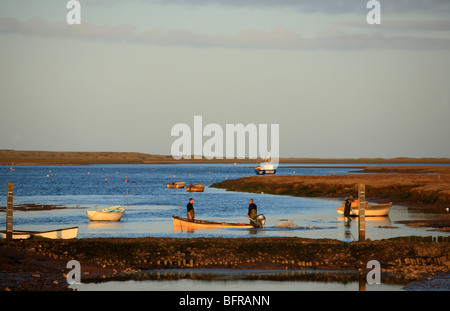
337,86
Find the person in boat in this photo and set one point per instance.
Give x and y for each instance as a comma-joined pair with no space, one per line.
190,210
252,210
348,207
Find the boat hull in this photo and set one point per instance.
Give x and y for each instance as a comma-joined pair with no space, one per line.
264,172
189,189
104,216
195,188
371,210
66,233
185,223
176,185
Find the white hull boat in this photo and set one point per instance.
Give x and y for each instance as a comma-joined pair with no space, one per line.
371,210
66,233
107,214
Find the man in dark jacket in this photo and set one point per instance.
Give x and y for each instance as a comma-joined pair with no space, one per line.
252,210
348,207
190,209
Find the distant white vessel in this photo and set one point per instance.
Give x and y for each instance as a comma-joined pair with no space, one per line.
265,168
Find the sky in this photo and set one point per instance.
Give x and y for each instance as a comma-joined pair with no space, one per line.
337,86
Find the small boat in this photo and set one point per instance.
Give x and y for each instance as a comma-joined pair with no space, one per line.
196,223
370,210
265,168
195,188
66,233
113,213
176,185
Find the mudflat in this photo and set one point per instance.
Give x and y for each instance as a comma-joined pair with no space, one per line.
418,186
40,264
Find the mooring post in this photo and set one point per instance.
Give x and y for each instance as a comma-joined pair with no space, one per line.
9,211
362,212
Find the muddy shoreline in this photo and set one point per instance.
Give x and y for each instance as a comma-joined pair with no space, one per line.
40,264
424,187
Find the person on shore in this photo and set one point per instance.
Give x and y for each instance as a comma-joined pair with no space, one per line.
252,210
348,207
190,210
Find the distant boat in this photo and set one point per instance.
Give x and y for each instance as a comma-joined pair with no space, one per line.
196,223
195,188
370,210
66,233
265,168
176,185
113,213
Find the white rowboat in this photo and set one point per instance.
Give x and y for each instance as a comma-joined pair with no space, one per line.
370,210
113,213
66,233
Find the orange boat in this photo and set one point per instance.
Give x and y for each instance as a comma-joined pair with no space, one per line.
185,223
195,188
176,185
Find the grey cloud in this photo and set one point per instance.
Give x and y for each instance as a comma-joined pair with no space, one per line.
40,27
404,24
325,6
278,38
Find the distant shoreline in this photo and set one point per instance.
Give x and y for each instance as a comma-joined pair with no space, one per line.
17,157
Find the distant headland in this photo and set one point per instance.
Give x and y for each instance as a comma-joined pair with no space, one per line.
18,157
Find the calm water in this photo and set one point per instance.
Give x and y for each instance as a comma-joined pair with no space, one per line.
150,204
247,280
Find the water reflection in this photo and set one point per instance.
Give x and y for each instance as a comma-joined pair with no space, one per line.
219,279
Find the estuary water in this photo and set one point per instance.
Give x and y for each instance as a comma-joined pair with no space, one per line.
150,204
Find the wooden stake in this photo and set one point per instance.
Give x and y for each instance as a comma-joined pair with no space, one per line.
362,212
9,211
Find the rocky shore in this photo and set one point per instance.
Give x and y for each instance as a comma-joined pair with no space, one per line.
40,264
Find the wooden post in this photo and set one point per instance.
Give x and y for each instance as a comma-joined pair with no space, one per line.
9,211
362,212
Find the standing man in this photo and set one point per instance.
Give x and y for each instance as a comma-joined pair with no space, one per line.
190,210
252,210
348,208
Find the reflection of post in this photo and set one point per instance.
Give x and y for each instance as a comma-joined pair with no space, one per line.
362,212
362,285
9,211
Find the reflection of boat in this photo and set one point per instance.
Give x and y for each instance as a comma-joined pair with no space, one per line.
176,185
195,188
370,210
265,168
185,223
66,233
113,213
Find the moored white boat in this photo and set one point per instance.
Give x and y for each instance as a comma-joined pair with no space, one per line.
370,210
65,233
113,213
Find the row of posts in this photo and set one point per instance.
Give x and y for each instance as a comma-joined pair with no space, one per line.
361,223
